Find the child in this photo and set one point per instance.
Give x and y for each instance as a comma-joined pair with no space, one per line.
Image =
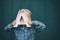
25,31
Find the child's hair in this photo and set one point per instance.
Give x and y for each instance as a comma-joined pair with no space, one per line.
28,12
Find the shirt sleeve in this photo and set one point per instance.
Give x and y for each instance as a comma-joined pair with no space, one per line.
39,26
8,27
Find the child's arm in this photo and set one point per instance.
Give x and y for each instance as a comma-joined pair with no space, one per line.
8,27
39,26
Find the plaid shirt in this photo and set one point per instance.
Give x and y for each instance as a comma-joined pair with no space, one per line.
28,32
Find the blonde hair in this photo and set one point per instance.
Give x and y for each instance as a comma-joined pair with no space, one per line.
28,12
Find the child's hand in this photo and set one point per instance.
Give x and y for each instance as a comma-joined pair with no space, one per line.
14,23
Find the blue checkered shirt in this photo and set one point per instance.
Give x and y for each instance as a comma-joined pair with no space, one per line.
26,33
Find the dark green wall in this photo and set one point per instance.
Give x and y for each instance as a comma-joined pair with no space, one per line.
46,11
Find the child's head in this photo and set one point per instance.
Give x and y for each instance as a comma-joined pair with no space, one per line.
23,17
28,14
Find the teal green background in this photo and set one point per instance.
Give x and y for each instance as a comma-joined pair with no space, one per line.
46,11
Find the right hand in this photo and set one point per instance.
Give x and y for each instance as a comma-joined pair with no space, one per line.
14,23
